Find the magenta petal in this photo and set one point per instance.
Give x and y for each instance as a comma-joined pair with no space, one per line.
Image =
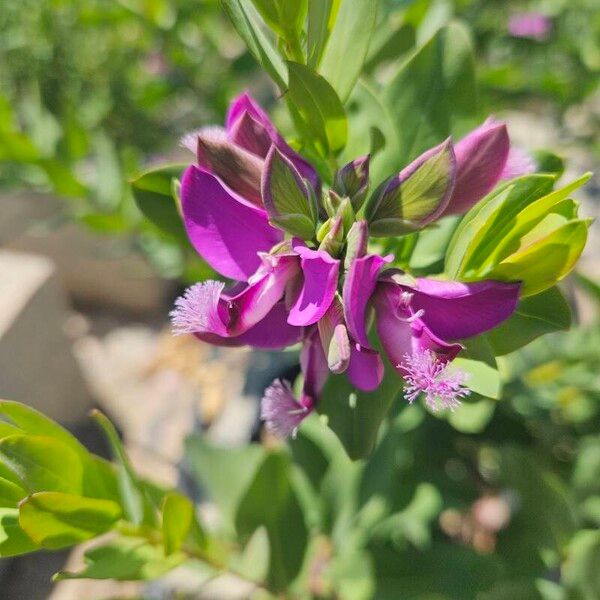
453,310
270,333
359,285
320,272
314,368
265,289
245,103
226,230
480,159
248,133
424,339
365,370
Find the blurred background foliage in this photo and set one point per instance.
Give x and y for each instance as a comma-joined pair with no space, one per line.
498,501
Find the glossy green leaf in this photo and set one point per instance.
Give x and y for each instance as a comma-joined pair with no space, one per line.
545,262
152,191
356,416
535,316
125,559
348,45
57,520
431,92
13,540
243,17
284,521
490,220
478,363
42,463
177,519
11,493
319,107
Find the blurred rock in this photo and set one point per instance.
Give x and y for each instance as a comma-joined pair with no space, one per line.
97,271
36,363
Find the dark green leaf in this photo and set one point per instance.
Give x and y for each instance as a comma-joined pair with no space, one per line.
152,191
271,502
319,107
432,92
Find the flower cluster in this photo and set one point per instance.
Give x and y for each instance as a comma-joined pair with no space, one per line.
254,209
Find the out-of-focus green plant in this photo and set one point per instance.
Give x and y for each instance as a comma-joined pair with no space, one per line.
90,91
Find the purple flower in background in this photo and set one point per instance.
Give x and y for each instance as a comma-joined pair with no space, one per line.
301,271
532,25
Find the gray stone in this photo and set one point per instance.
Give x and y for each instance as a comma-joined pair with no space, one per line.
37,366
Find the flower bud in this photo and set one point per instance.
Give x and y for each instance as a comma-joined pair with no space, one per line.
287,197
352,181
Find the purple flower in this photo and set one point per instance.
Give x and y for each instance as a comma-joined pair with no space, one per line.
483,158
530,25
319,286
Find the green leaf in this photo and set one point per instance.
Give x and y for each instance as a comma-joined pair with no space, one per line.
177,520
271,502
472,417
13,540
348,45
321,16
125,559
285,17
98,475
57,520
490,221
136,506
224,473
244,20
580,570
406,204
545,262
42,463
535,316
431,245
319,107
10,493
356,416
431,92
152,191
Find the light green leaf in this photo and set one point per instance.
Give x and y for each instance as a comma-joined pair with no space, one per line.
56,520
321,16
177,518
13,540
42,463
472,417
243,17
284,520
535,316
11,493
431,92
490,221
581,567
542,264
132,495
125,559
319,107
152,191
285,17
348,45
